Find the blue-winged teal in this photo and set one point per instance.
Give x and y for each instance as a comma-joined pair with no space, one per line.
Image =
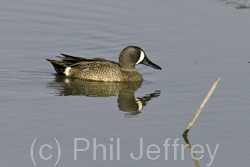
99,69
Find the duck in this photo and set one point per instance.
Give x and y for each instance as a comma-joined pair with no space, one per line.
100,69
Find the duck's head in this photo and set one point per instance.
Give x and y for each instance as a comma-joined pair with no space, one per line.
132,55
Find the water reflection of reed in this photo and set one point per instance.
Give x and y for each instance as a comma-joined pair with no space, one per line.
196,162
127,101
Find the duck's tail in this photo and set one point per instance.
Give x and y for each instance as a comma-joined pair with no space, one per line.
66,61
59,66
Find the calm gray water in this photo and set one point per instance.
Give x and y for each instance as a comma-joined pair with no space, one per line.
193,41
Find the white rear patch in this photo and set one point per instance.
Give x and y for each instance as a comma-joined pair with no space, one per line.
67,81
142,56
66,72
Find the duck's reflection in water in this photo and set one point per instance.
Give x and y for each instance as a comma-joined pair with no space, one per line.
127,101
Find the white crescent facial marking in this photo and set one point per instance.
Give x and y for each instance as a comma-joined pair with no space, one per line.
66,72
140,105
142,56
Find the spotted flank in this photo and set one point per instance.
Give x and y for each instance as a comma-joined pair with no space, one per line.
100,69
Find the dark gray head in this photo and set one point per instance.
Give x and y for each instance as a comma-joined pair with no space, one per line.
132,55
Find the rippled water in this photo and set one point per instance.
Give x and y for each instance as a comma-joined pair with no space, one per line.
194,42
